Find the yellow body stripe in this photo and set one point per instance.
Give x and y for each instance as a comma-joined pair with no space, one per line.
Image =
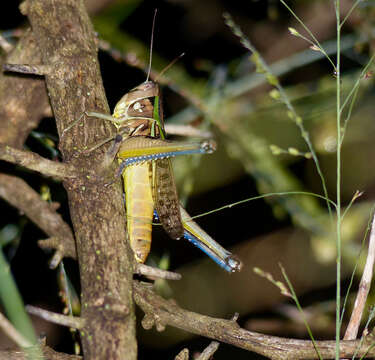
139,208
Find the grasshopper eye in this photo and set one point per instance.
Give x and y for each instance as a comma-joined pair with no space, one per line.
138,107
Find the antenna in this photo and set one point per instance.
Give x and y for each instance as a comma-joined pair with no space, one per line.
169,66
151,44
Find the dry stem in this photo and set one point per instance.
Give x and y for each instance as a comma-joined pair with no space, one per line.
364,288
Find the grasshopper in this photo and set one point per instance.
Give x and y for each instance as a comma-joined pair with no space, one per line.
144,157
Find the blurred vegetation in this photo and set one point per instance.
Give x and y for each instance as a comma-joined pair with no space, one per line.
215,86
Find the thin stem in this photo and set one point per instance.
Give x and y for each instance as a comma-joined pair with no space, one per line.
370,318
285,193
309,32
338,183
356,195
263,67
299,307
350,12
357,83
353,95
349,114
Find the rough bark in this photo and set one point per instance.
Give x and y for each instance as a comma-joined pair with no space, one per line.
66,41
23,99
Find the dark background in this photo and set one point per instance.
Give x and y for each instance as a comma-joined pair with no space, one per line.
196,28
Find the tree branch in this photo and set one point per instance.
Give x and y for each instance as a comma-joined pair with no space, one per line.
155,273
209,351
35,162
17,193
64,320
48,353
161,312
66,41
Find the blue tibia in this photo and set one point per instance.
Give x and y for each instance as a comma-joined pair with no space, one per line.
200,245
139,159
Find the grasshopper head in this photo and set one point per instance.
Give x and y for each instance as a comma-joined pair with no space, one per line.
137,103
145,90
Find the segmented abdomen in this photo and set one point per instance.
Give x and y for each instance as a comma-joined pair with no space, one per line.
139,208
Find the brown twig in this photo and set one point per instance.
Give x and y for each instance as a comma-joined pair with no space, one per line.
64,247
63,320
27,69
187,130
35,162
364,288
48,353
17,193
161,313
182,355
208,352
155,273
